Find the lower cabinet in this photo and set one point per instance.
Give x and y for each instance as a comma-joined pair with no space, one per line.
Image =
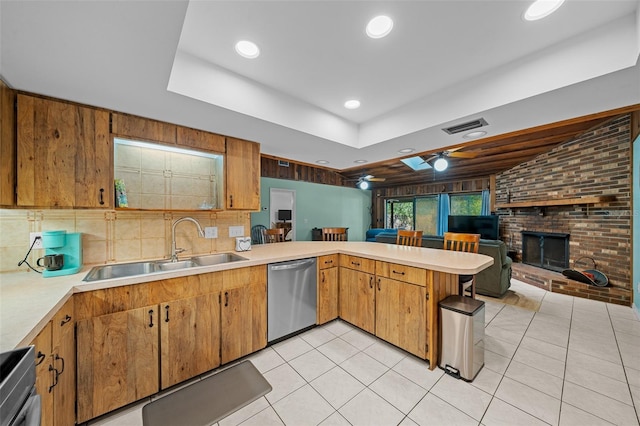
189,338
243,312
357,298
401,315
327,305
56,367
117,360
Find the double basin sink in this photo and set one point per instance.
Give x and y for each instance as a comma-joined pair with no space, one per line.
121,270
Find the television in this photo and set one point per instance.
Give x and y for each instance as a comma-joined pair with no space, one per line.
284,215
486,226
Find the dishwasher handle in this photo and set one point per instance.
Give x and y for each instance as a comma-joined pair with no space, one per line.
292,265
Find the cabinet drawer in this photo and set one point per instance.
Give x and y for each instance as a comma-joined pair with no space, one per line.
358,263
329,261
404,273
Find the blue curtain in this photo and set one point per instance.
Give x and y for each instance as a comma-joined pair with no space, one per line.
484,210
443,213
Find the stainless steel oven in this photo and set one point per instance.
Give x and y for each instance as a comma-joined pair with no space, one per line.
19,402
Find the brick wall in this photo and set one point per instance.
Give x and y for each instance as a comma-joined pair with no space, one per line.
596,163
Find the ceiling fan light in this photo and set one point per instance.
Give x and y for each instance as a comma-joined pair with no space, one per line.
441,164
363,184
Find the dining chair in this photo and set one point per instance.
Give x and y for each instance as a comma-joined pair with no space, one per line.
275,235
469,243
409,238
334,234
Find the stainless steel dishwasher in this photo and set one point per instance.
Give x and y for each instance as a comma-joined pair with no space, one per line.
291,297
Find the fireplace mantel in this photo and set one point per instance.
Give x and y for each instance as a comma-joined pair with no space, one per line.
557,202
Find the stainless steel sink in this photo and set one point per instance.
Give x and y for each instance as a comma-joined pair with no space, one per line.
120,270
216,259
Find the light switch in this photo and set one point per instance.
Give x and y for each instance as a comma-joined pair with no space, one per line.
236,231
211,232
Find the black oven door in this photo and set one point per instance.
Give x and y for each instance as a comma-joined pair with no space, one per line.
30,413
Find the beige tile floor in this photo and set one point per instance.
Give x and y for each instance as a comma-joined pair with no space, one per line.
574,362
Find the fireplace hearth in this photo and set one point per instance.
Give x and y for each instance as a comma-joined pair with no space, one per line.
546,250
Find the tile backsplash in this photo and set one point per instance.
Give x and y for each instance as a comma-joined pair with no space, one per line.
110,236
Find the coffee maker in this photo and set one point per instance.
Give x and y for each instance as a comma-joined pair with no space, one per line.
67,245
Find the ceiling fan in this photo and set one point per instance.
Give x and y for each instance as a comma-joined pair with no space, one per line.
363,181
440,162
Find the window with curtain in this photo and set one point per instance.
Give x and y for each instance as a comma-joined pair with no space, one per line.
466,204
426,218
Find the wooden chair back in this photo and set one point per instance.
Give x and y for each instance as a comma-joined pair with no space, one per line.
275,235
469,243
461,242
334,234
409,238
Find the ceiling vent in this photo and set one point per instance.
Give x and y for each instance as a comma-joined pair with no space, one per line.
465,127
283,163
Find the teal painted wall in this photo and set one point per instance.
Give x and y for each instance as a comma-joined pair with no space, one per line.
320,206
635,279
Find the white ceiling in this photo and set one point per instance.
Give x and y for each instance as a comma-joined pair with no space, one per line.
443,63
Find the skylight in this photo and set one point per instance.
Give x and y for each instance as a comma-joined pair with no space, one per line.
416,163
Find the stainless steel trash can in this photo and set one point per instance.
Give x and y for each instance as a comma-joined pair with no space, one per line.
461,336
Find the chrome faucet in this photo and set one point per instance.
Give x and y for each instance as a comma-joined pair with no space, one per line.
174,249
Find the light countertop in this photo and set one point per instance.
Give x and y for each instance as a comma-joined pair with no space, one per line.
28,300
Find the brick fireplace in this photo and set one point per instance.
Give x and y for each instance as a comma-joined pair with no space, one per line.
595,164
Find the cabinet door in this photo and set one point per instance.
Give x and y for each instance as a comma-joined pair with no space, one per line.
401,315
64,361
131,126
327,309
44,374
200,139
64,155
7,145
243,175
244,312
189,338
357,299
117,360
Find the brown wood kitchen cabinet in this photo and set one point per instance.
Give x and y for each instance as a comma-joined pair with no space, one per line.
55,368
242,164
189,338
401,306
64,155
244,311
7,145
327,306
356,291
118,358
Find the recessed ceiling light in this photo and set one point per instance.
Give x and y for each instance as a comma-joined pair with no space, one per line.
379,26
247,49
352,104
322,162
541,8
360,161
474,135
406,150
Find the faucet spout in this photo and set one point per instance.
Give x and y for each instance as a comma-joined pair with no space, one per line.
174,249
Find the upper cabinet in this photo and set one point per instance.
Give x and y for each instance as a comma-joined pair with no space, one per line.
63,155
243,175
7,145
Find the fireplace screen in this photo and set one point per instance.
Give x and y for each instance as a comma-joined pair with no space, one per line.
546,250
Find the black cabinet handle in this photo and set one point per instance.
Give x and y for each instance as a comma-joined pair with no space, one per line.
101,196
328,262
166,310
55,377
230,201
322,277
66,319
396,272
355,263
371,281
40,357
226,298
150,317
378,284
58,357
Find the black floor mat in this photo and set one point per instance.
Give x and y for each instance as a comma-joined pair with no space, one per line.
207,401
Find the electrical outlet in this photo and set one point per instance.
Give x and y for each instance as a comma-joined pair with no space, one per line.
211,232
32,236
236,231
